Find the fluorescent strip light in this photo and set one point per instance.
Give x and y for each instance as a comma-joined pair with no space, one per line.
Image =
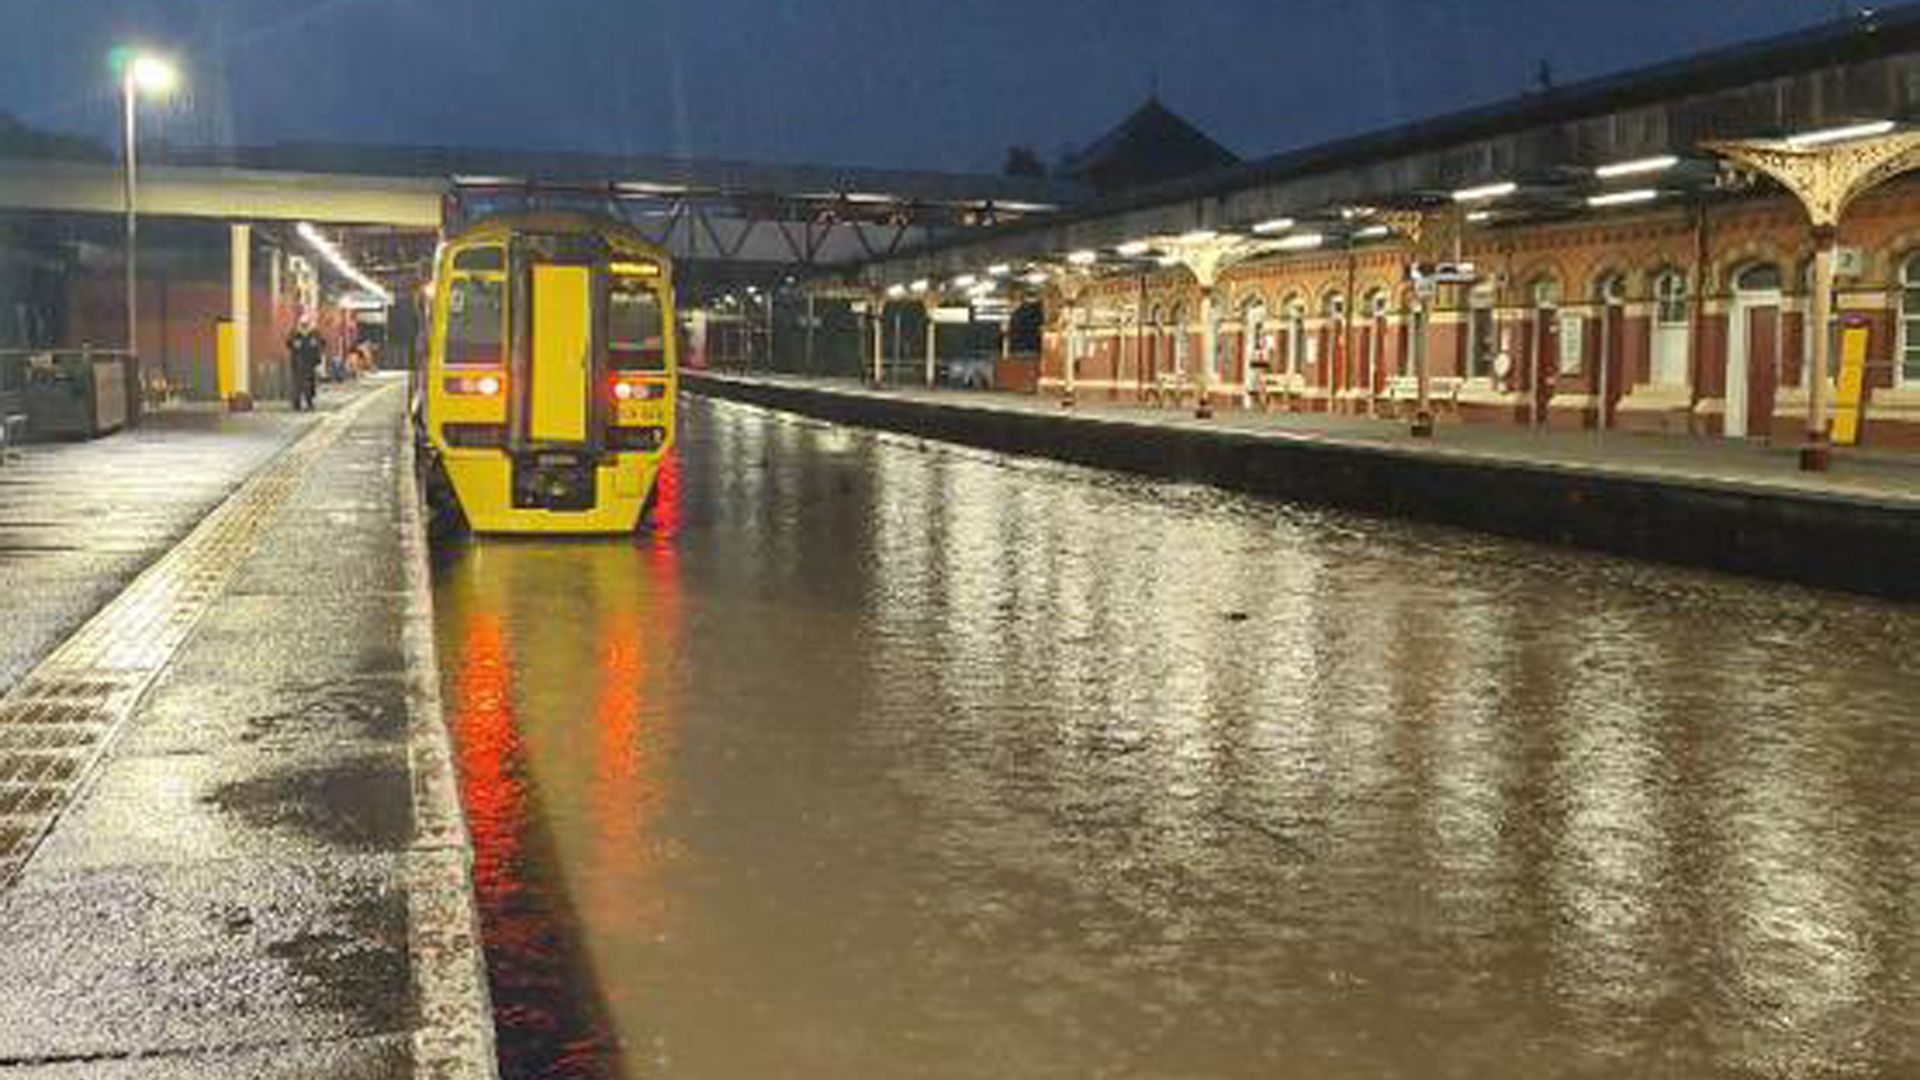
1302,242
1036,277
965,281
921,286
1133,249
896,291
1372,232
1275,225
1478,216
1084,258
1636,167
1486,191
339,262
1623,198
1840,134
1198,236
999,270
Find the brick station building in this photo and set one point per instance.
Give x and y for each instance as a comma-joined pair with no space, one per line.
1688,310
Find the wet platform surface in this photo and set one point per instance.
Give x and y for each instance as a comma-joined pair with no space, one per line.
879,757
78,520
256,867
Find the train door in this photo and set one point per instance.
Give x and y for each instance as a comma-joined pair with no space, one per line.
562,339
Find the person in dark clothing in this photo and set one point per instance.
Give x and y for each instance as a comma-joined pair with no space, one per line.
304,347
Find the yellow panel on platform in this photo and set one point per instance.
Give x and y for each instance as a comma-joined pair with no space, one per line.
225,355
562,340
1852,388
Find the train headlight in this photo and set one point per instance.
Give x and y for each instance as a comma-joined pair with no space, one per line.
476,385
623,391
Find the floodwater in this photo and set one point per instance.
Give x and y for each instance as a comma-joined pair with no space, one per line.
879,758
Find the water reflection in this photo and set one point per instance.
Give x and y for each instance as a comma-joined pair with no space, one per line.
879,758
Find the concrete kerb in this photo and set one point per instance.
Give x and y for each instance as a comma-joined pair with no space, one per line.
1836,540
456,1033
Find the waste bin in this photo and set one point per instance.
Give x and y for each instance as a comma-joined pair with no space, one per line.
83,394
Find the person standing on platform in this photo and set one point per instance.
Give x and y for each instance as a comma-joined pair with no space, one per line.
304,348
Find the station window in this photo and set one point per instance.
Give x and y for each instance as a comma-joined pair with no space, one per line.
1761,277
1910,320
1483,338
476,320
1296,332
1611,290
636,332
1672,328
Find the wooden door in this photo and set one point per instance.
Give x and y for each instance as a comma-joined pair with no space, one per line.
1763,366
1613,353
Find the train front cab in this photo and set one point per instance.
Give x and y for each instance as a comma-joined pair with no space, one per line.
552,395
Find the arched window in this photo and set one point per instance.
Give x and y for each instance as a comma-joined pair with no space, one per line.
1760,277
1295,317
1333,338
1253,336
1672,327
1483,342
1375,359
1611,288
1553,349
1909,369
1181,345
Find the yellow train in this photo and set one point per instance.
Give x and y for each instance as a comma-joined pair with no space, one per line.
547,397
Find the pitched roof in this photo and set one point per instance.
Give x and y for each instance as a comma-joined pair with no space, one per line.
1154,144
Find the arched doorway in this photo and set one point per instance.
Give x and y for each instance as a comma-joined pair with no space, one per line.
1545,354
1155,352
1753,351
1332,374
1610,296
1373,344
1181,348
1256,357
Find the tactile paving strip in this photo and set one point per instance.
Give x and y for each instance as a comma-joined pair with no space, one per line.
58,721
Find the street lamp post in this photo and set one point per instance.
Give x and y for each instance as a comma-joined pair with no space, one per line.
149,74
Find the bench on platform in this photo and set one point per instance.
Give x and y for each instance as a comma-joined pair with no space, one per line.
1169,388
1442,390
1287,387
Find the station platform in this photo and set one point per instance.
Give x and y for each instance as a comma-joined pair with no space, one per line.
230,844
1740,507
1863,472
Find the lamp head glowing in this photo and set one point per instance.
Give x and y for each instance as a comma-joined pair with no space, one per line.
151,74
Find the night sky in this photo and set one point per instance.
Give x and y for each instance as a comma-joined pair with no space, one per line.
938,84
